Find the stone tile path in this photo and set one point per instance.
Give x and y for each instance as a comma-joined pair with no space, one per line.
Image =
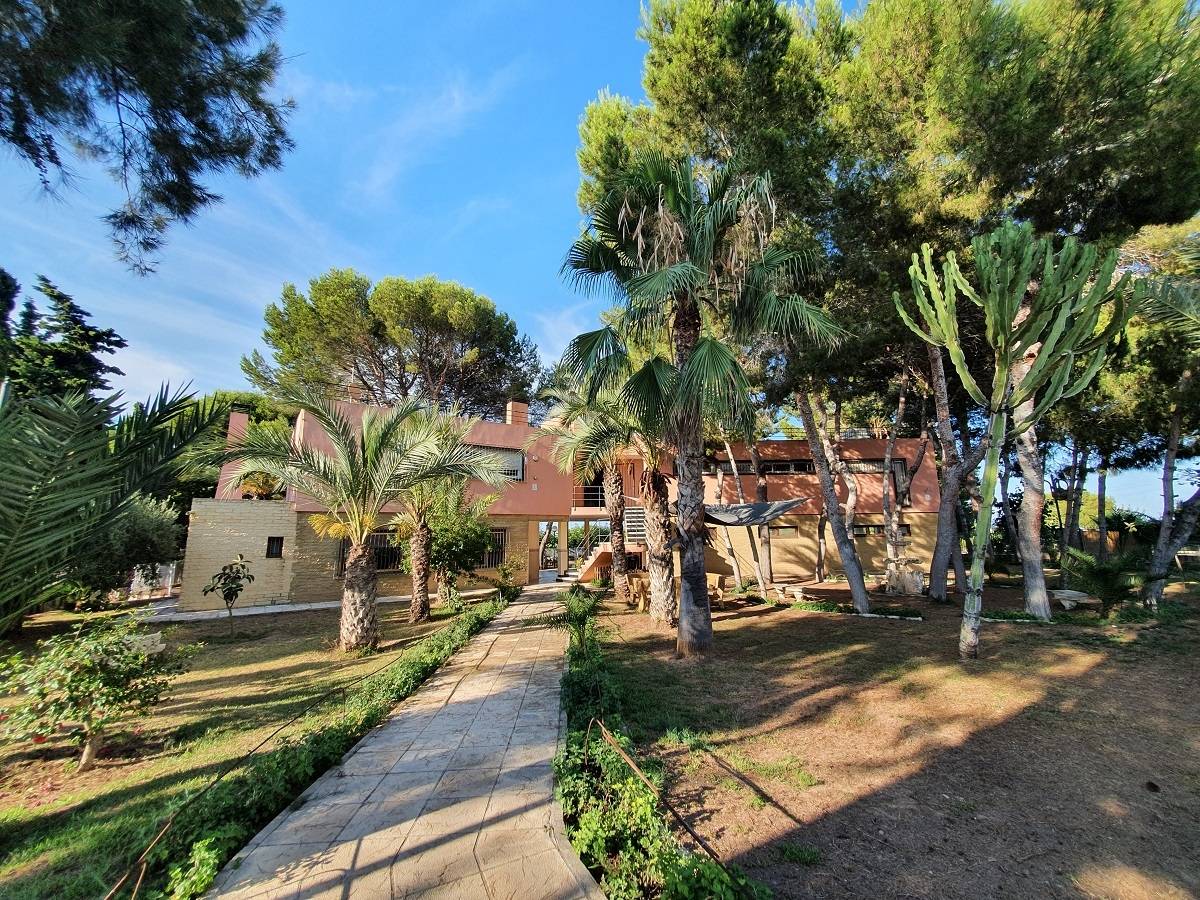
452,796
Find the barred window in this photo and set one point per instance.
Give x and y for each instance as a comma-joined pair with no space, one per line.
388,555
865,466
789,467
784,532
865,530
275,548
495,554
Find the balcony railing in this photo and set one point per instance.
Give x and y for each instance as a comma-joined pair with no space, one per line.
588,496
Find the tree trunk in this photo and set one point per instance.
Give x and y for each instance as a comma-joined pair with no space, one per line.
833,511
660,562
890,496
418,552
695,617
1183,524
750,539
968,636
734,562
764,530
822,548
1160,559
542,544
1010,522
92,742
614,504
359,628
1033,501
1033,479
946,546
1101,516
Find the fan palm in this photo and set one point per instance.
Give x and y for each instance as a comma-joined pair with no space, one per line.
391,454
419,502
591,437
687,253
66,473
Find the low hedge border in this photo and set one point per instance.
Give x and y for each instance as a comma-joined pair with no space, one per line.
612,819
845,609
210,831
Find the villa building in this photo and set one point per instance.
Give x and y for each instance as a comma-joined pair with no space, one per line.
291,563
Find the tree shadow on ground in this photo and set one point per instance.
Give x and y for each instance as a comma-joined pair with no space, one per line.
1060,764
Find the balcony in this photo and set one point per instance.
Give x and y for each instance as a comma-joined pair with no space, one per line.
588,496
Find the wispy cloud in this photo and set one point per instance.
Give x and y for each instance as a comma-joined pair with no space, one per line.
145,372
556,329
438,115
471,213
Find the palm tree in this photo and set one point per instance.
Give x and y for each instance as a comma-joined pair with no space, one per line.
392,453
591,437
420,501
66,473
687,253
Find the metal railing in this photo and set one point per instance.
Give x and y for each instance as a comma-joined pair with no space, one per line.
588,495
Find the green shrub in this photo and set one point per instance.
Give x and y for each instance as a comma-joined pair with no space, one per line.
87,680
1009,615
577,617
817,606
613,819
214,827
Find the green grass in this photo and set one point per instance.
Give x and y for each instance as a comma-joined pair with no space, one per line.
800,854
789,770
74,839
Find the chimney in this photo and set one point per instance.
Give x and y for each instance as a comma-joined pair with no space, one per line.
516,413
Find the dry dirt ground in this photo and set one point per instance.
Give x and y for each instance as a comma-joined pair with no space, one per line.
834,756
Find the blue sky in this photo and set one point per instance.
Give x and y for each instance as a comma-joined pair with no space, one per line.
430,139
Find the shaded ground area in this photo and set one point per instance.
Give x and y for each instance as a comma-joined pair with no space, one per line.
833,756
70,835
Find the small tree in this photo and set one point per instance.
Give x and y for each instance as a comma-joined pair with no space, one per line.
229,583
1042,311
88,680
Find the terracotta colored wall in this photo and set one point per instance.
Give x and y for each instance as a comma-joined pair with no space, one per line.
545,492
924,490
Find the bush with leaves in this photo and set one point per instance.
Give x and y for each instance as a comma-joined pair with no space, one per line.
613,819
229,583
505,582
146,536
1111,581
98,674
577,617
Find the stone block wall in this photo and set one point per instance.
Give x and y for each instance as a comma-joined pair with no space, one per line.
218,530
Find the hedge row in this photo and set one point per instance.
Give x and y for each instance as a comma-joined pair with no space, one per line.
209,831
613,820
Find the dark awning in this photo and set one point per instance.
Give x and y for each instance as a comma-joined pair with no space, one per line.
750,513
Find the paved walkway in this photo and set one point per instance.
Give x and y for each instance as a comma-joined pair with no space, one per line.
453,796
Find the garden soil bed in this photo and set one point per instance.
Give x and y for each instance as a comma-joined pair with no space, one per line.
852,757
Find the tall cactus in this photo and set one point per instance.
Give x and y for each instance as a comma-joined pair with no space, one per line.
1040,307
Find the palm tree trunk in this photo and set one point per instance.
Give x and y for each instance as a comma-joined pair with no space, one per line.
695,617
359,628
741,495
614,504
833,511
1160,558
418,552
660,562
1101,516
968,636
764,530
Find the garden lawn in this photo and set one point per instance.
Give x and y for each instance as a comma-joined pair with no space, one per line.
65,836
835,756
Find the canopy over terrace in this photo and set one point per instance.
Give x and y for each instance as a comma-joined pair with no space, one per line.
743,514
